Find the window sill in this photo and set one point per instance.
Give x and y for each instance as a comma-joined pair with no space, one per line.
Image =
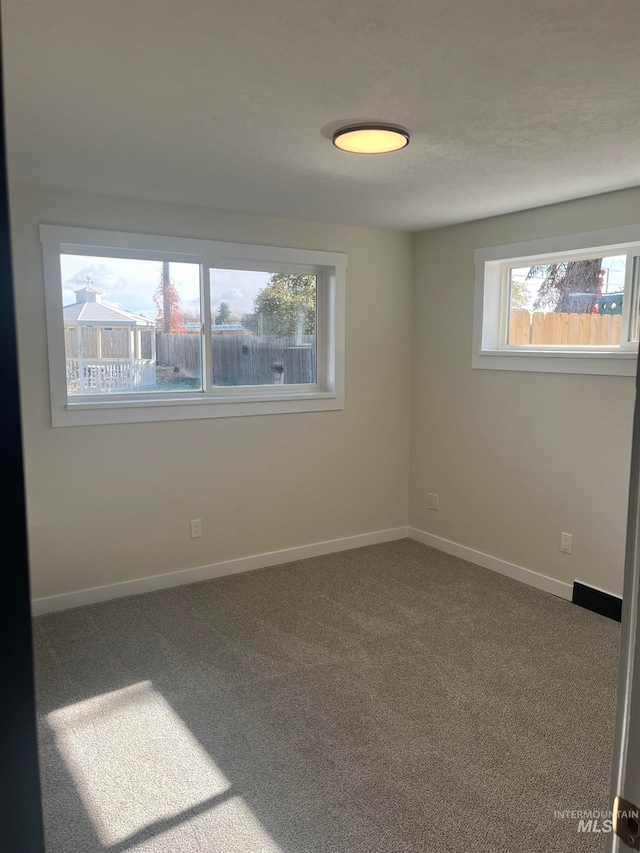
551,361
109,411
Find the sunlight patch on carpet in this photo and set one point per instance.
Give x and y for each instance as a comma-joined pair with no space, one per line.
136,767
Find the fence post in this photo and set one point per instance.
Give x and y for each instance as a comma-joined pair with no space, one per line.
537,328
617,328
297,365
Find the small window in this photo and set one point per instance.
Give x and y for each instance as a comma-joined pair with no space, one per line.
158,328
569,309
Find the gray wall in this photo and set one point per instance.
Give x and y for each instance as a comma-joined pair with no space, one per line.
113,503
515,457
519,457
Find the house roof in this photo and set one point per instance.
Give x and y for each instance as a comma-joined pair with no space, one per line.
97,314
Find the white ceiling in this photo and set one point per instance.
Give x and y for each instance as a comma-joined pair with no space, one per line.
510,103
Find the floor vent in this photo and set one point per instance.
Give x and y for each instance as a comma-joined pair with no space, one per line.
600,602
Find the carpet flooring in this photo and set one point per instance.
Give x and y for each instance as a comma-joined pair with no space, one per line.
389,699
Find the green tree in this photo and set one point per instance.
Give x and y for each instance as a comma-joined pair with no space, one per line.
563,281
284,307
519,296
223,315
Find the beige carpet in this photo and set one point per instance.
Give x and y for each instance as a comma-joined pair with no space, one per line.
390,699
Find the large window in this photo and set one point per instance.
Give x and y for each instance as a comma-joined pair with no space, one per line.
565,304
159,328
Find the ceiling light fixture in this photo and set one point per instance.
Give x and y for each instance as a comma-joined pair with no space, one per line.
371,138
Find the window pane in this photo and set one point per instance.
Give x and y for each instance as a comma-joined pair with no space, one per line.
635,305
131,326
568,303
263,328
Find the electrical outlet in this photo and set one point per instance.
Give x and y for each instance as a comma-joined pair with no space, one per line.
566,543
433,501
196,528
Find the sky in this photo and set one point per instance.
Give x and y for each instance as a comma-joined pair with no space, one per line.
130,284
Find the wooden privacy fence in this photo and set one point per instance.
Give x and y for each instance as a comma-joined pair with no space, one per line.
181,351
577,329
111,343
114,342
242,359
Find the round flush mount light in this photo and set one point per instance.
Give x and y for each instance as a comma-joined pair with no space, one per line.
371,138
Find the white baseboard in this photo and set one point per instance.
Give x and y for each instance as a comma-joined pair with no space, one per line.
66,601
518,573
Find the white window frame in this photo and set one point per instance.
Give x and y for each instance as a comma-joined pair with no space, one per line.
212,402
491,305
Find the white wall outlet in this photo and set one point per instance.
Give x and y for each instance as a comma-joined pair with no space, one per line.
566,543
433,501
196,528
